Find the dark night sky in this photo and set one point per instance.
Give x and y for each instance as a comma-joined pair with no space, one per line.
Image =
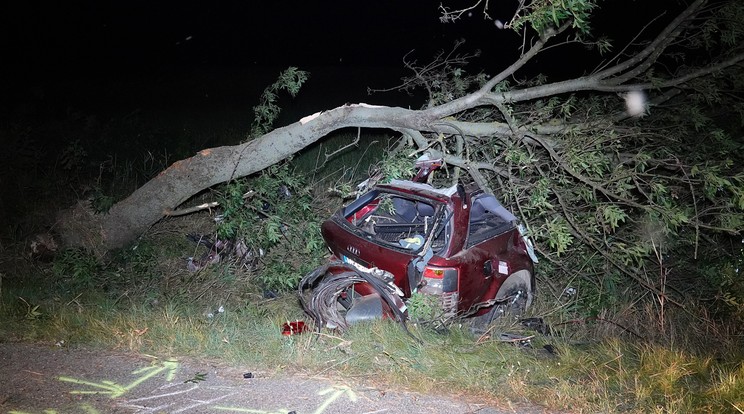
169,45
127,55
223,33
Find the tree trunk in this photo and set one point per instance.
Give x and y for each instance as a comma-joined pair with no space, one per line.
132,216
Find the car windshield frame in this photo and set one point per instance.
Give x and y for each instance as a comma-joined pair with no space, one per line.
434,222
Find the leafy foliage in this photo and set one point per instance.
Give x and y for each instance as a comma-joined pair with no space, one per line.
396,166
607,195
267,111
273,213
629,215
32,311
423,308
545,14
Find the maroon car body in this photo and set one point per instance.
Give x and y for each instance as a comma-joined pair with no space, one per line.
458,243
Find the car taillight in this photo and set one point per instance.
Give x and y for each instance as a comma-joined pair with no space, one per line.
437,280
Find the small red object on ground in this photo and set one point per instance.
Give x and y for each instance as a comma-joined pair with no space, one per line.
292,328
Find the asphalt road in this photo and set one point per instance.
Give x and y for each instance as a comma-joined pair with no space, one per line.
49,379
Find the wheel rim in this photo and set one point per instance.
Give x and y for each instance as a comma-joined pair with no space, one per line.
516,297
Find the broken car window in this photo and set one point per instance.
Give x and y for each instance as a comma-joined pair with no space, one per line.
488,218
395,220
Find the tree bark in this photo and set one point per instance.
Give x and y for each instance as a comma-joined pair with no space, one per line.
134,215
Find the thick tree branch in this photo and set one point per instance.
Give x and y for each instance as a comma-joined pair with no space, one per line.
643,60
484,95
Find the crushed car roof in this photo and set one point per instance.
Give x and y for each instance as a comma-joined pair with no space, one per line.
412,185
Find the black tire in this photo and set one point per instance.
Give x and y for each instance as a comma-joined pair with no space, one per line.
515,295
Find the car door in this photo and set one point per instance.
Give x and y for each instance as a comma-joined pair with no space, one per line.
484,256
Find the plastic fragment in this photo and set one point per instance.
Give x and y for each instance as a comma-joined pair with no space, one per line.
293,328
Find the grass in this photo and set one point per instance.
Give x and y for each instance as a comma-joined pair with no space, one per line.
608,375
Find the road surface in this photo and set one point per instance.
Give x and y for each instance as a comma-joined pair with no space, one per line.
43,379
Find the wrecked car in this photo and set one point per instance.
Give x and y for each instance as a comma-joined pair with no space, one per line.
404,237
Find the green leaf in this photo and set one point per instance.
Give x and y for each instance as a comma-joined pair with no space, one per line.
614,215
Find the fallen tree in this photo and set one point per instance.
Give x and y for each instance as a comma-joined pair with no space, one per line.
570,156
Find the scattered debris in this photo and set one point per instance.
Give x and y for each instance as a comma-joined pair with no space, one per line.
219,250
537,325
521,341
216,312
333,284
293,328
198,377
43,247
552,350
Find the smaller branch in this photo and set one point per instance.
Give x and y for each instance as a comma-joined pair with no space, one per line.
189,210
733,232
694,203
430,144
458,151
532,52
507,116
479,179
654,48
557,158
627,46
418,138
611,87
344,148
451,16
423,75
485,95
474,166
200,207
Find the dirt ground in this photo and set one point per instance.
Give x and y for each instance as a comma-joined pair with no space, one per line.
38,378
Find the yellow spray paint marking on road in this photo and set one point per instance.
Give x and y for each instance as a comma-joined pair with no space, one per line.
89,409
117,390
169,367
336,392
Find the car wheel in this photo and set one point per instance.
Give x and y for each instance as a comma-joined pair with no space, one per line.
514,296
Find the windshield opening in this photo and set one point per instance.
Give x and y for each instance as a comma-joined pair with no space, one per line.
398,221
